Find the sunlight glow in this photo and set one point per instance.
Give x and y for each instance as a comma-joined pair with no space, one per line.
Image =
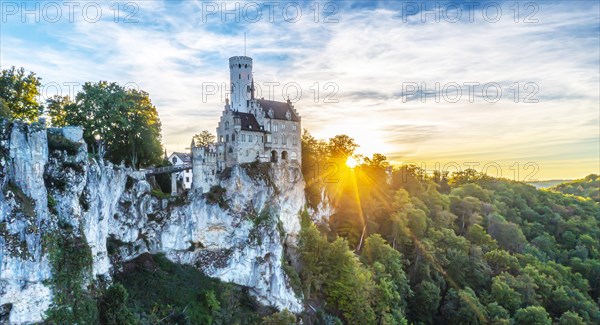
351,162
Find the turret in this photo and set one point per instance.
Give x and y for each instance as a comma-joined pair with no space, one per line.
240,75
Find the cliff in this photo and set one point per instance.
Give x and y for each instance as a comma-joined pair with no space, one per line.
53,190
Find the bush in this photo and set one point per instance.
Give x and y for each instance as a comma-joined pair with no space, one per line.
216,195
112,307
57,141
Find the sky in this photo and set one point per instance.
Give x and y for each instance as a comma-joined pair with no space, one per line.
509,88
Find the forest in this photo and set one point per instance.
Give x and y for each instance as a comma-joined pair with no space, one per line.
408,247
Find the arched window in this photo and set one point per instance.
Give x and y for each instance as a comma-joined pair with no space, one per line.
227,125
293,156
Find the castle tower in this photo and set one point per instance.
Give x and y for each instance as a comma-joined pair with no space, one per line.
240,76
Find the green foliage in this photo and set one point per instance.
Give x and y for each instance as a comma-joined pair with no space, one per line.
216,195
532,315
125,120
204,138
425,302
18,95
112,307
71,263
284,317
469,249
588,187
162,292
57,141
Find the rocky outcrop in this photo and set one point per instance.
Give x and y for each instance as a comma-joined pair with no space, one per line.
48,181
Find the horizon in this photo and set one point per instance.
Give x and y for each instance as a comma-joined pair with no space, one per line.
375,95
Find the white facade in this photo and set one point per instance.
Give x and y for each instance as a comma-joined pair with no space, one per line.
240,75
186,176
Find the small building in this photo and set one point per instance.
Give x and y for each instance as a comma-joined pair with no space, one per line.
186,176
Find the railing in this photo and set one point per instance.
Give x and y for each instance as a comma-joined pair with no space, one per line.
168,169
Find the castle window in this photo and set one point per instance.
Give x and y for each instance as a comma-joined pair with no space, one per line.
274,127
187,179
240,76
227,138
275,140
245,66
232,137
243,137
294,127
174,160
227,125
221,139
250,138
283,140
294,140
239,66
282,127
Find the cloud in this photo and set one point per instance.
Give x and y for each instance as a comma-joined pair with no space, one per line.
369,54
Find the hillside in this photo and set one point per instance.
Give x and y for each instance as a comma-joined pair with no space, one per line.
588,187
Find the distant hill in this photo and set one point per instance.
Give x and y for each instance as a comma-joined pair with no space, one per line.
586,187
548,183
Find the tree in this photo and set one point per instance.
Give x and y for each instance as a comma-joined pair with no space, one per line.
126,122
425,302
463,307
113,307
342,146
532,315
392,289
20,93
284,317
204,138
570,318
57,107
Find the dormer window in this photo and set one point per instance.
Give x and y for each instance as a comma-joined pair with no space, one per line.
288,115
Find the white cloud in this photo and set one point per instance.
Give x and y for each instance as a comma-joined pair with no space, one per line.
369,54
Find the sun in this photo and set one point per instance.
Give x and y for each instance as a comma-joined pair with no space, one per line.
351,162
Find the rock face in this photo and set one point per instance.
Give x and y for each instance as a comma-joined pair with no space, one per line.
237,232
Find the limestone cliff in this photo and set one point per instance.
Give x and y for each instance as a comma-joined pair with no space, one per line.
49,182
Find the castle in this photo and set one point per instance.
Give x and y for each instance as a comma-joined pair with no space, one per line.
249,130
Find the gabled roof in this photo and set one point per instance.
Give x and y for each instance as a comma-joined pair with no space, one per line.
280,109
183,156
248,122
